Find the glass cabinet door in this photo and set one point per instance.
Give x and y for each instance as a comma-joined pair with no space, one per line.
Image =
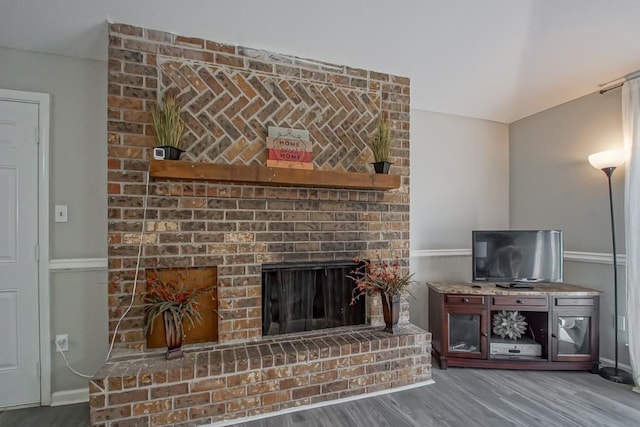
464,333
573,335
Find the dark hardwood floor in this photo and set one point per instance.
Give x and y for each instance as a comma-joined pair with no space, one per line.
483,397
460,397
47,416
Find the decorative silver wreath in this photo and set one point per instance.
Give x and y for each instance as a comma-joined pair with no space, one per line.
509,324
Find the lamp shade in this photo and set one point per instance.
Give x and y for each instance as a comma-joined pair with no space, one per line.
607,159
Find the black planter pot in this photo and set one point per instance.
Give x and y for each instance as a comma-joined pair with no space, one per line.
381,167
171,153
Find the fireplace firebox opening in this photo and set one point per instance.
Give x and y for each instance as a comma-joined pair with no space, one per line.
299,297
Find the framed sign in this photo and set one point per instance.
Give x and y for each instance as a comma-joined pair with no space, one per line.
289,148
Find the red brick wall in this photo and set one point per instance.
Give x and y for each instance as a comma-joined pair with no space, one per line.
231,94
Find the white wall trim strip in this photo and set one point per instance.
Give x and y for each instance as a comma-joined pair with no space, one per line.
433,253
69,397
62,264
594,257
590,257
65,264
319,404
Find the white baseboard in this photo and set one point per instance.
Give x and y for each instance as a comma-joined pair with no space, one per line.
69,397
318,405
609,362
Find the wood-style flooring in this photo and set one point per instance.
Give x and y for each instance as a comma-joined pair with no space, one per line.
47,416
482,397
459,398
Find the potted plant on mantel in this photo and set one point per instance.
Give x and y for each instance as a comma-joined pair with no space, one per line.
380,144
168,127
385,279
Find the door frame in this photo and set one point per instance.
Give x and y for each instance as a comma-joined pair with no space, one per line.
43,101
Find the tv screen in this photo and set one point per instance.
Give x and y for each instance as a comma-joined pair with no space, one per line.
517,256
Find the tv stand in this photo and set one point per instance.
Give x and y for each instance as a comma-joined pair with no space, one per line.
562,326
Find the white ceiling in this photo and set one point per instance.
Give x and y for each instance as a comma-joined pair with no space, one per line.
499,60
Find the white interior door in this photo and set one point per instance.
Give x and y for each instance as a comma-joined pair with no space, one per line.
19,307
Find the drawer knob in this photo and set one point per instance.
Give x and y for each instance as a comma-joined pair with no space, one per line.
484,334
554,336
465,299
519,301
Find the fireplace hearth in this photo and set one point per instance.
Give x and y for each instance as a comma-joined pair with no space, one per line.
307,296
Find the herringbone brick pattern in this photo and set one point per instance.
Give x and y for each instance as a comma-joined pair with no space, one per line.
228,112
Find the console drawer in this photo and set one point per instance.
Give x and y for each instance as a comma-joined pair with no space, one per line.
464,299
514,300
572,302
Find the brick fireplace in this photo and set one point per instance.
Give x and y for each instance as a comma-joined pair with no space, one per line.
231,95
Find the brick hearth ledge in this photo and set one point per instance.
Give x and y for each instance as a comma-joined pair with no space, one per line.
231,381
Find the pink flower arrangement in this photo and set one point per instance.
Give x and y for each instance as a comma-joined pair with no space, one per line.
378,277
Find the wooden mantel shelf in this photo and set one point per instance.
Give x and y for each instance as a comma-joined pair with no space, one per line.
260,175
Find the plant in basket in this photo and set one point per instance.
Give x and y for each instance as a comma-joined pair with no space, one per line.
176,303
383,278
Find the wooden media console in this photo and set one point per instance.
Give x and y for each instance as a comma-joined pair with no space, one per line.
561,332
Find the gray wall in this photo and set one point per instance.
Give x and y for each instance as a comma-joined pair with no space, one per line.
428,268
77,179
552,185
78,307
459,182
459,179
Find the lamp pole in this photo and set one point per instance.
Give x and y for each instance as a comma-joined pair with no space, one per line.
609,172
607,163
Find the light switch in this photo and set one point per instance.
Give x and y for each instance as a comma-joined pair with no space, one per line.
61,213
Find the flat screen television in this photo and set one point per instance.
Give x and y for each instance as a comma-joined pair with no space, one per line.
517,256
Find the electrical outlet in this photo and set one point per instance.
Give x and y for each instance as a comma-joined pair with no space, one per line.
622,323
62,341
61,213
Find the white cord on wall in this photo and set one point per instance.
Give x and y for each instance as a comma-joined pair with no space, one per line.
80,374
133,293
135,277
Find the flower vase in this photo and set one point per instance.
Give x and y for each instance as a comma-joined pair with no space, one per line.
172,335
390,311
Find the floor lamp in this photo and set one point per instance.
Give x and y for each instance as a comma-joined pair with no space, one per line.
607,162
